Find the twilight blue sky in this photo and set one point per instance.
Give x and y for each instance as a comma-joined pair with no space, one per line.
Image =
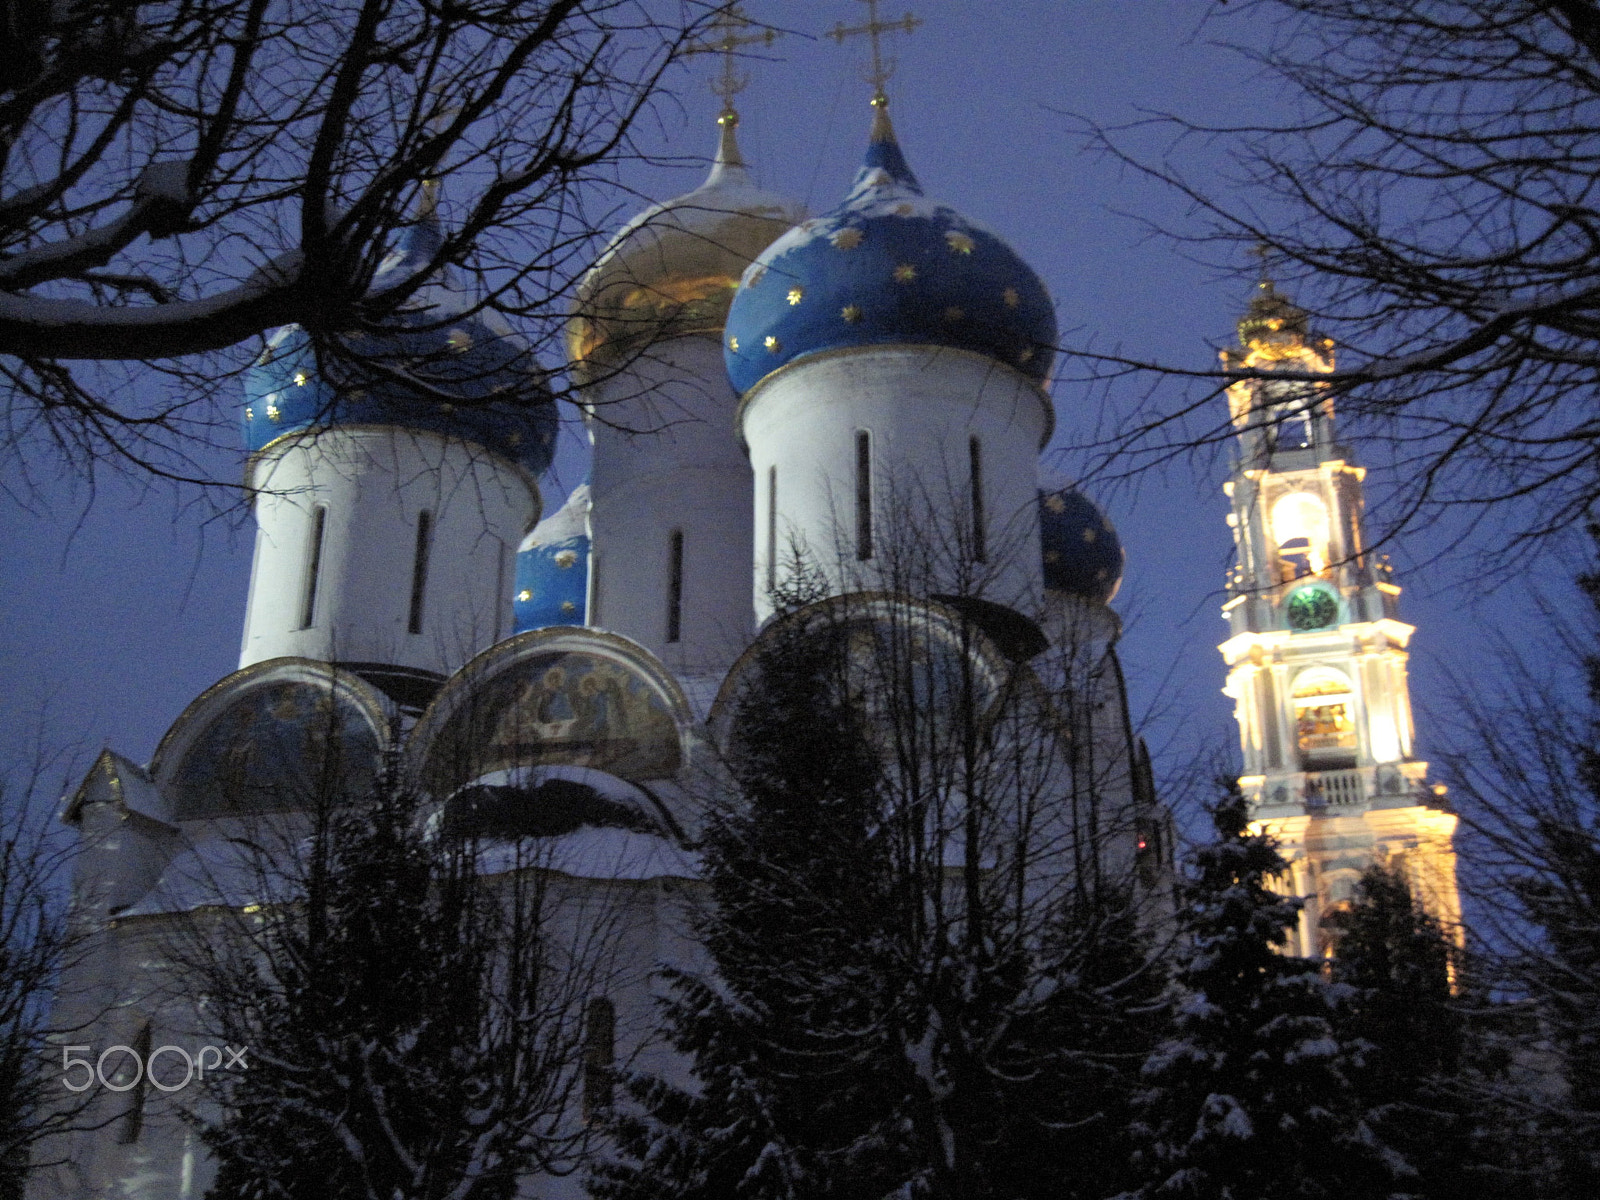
118,607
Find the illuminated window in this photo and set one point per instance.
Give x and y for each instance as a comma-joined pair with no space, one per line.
1324,716
308,593
1300,532
599,1056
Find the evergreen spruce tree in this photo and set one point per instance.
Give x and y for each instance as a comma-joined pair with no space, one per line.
1250,1096
1411,1036
409,1034
789,1041
879,1021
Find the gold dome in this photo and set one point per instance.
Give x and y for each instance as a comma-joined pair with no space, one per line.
673,269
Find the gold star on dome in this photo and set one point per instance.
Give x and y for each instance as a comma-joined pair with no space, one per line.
851,313
796,295
847,239
459,340
772,343
1052,556
1088,537
513,438
524,596
953,313
1011,297
300,379
959,242
447,408
733,344
566,558
567,606
905,273
272,412
1026,355
249,414
1056,504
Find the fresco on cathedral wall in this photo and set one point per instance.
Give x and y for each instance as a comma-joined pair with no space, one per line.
562,707
270,749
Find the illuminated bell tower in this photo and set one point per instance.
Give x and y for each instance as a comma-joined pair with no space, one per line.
1317,653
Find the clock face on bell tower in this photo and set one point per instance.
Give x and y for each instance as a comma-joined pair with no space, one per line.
1314,607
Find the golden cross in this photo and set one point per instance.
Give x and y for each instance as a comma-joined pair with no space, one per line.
881,69
730,20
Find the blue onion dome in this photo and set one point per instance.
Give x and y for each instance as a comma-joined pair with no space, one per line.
887,266
672,270
446,365
1083,555
553,568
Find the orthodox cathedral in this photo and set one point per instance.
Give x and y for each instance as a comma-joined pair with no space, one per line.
774,403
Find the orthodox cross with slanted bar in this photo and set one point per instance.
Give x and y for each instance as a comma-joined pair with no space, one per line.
730,20
882,68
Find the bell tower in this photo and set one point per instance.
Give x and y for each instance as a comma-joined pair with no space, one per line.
1316,652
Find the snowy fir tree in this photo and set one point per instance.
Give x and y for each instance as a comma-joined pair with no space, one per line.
885,1015
411,1032
1411,1038
1251,1095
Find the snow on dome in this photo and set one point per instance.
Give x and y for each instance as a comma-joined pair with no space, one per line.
1083,555
471,376
553,568
673,269
888,265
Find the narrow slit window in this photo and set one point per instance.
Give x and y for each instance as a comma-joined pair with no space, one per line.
594,589
599,1056
980,539
863,494
133,1117
308,595
502,553
675,586
772,529
419,569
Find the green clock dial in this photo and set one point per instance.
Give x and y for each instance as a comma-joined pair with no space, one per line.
1313,608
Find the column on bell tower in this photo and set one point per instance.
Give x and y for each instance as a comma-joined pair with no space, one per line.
1317,653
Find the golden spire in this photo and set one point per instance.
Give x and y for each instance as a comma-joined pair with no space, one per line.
436,124
730,20
882,68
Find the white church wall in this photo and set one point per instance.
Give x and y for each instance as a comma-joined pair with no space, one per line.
921,407
373,484
666,462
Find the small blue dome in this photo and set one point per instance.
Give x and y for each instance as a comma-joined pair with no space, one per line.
1083,555
441,350
888,266
553,568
